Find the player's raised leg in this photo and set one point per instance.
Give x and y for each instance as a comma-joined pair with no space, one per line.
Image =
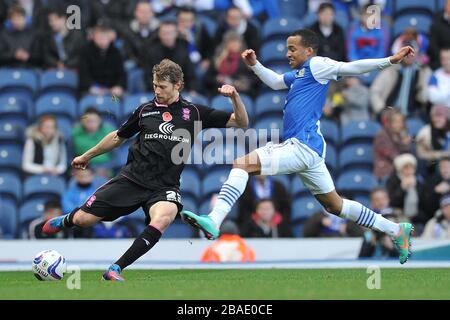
230,192
77,218
162,214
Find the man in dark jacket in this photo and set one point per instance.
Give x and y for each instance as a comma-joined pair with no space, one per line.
437,186
439,35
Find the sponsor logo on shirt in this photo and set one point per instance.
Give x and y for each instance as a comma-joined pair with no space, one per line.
300,73
186,114
166,127
151,113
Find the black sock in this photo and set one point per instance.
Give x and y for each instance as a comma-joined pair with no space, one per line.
68,220
143,243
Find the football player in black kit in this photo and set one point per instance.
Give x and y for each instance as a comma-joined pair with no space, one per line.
150,178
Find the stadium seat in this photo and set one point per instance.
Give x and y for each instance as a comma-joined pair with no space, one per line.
24,110
65,126
10,187
139,214
61,80
368,77
43,186
105,104
58,104
358,182
214,179
359,132
197,99
8,220
331,160
280,68
178,230
223,103
135,81
273,51
18,80
280,28
30,210
330,131
414,6
284,179
356,156
364,200
270,103
292,7
273,126
190,183
420,22
298,189
414,125
205,208
131,102
10,158
303,208
189,203
11,132
209,23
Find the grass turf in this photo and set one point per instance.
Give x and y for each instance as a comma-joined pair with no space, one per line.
236,284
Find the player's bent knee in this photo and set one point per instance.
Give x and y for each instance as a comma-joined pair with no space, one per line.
84,219
162,221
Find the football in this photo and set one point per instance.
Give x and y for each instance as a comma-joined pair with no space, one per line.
49,265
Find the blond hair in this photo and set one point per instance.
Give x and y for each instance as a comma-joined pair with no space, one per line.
167,70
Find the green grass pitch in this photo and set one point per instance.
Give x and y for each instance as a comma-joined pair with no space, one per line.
236,284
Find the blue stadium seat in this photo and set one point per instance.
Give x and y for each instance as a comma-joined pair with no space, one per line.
131,102
18,80
197,99
24,101
61,80
137,215
214,179
280,28
31,209
359,132
280,68
58,104
356,156
105,104
205,208
189,203
292,7
358,182
368,77
135,81
11,132
414,125
364,200
223,103
270,102
209,23
298,189
331,160
8,220
10,187
330,131
65,126
297,229
273,51
190,183
43,186
303,208
269,124
10,158
414,6
420,22
178,230
284,179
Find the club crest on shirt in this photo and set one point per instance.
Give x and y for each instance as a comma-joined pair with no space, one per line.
300,73
167,116
186,114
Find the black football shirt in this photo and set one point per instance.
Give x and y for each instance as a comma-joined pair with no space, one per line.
162,128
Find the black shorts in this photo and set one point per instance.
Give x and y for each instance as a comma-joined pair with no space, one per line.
121,196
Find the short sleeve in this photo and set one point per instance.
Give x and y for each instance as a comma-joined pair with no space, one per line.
130,127
289,77
324,69
213,118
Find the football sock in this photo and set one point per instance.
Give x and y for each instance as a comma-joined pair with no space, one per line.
365,217
68,219
143,243
231,190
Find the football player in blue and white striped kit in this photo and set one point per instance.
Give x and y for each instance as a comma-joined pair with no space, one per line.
303,148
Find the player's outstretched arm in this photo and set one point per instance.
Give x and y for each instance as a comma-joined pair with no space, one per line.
108,143
239,118
269,77
367,65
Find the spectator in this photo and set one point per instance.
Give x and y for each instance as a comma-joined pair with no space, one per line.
410,35
355,103
79,191
437,186
439,226
330,33
44,150
115,12
432,141
197,37
101,65
17,46
263,187
264,9
139,30
52,209
168,45
364,41
403,86
216,7
87,133
229,247
406,189
236,21
266,222
61,47
374,241
439,84
439,35
228,67
392,140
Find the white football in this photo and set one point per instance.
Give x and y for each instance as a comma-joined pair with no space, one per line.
49,265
